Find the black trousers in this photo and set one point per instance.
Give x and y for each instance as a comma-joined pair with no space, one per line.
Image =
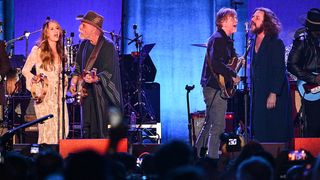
312,113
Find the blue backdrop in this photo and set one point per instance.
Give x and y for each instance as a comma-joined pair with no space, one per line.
173,25
31,14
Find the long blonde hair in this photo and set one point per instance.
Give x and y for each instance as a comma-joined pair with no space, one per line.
46,53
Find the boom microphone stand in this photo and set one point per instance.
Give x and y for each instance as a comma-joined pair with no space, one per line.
137,55
25,36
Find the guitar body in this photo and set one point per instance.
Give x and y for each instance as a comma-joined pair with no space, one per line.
310,92
81,87
228,88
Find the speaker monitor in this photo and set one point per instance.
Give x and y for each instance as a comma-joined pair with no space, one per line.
310,144
138,150
199,117
69,146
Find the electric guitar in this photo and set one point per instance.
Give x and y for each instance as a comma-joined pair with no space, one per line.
81,86
310,92
228,87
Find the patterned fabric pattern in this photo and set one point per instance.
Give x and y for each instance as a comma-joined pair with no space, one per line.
51,130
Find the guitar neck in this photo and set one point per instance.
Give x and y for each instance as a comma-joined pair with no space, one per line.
244,57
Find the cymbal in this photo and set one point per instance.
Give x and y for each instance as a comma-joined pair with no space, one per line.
199,45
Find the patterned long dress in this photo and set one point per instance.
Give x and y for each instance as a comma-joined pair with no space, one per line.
51,130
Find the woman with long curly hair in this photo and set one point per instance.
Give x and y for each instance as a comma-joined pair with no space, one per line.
46,84
270,93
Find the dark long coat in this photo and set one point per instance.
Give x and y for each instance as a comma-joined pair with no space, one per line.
268,75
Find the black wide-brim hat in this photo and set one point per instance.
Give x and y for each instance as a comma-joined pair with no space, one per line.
312,20
92,18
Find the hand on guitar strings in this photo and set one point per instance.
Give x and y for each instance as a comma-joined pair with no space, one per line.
73,85
91,78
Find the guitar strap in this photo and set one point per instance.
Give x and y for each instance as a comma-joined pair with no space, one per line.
93,56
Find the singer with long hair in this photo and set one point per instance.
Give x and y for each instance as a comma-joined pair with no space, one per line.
270,93
46,56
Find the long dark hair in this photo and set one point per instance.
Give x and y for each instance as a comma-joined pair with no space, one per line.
271,23
46,54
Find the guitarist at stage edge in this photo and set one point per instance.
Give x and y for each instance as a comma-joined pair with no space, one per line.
304,62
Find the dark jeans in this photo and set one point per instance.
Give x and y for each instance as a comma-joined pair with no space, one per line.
214,125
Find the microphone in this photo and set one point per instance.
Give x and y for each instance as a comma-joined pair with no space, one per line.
246,24
136,35
135,26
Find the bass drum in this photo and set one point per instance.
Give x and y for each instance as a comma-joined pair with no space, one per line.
15,82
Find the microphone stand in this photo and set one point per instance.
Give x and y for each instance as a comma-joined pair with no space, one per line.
192,135
63,85
9,134
117,38
25,36
246,91
138,44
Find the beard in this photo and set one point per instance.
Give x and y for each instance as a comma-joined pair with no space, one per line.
258,30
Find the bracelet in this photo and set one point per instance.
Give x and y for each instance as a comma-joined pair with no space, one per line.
71,84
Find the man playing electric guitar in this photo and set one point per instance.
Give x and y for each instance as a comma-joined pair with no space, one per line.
304,62
219,51
104,87
81,89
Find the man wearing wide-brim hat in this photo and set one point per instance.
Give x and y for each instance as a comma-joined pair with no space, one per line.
98,91
304,62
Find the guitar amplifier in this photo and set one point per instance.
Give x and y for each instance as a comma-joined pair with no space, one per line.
29,118
199,117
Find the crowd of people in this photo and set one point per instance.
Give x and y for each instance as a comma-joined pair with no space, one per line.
174,160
